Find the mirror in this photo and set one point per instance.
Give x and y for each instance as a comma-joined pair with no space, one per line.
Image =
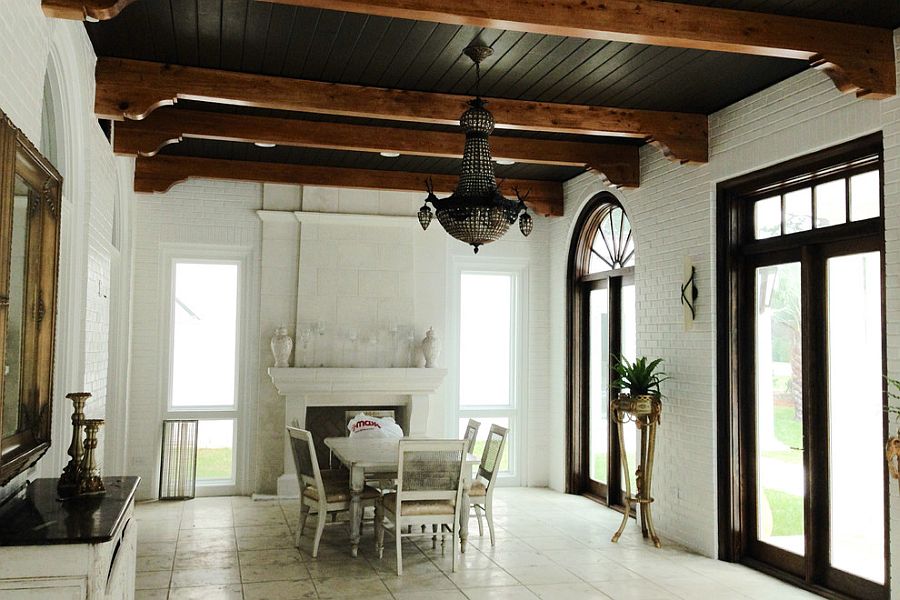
12,369
30,205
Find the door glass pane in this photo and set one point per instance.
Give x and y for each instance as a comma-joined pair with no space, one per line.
485,339
483,431
779,427
831,203
865,197
767,217
205,334
855,415
798,211
215,451
599,385
628,340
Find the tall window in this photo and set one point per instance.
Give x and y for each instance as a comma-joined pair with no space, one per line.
488,358
601,330
803,313
203,373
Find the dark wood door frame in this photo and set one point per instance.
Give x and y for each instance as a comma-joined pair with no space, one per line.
736,261
578,288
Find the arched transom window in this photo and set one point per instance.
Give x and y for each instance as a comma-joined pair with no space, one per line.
612,247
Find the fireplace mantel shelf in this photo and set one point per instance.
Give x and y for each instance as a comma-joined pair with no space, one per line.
327,380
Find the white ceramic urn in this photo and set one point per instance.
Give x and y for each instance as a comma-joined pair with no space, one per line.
282,344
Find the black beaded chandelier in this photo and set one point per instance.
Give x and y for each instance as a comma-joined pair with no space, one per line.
476,213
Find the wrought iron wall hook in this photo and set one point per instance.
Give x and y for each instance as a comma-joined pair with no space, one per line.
691,300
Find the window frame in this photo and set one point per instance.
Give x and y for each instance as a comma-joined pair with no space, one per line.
517,269
579,284
738,254
243,436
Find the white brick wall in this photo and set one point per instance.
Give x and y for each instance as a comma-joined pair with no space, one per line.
673,215
203,214
28,40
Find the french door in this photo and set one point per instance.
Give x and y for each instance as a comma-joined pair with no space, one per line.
806,362
601,329
609,330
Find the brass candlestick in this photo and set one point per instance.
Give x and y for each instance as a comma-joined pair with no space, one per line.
68,481
90,482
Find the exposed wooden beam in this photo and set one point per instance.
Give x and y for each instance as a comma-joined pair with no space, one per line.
858,59
84,10
159,173
133,89
620,164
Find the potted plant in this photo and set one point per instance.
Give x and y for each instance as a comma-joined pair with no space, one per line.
641,378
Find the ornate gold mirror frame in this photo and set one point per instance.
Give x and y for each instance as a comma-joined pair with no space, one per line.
30,211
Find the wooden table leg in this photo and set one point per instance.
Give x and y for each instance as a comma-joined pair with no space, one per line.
357,484
464,516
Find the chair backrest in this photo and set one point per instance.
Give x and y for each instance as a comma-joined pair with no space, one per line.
430,470
381,414
471,433
305,461
493,452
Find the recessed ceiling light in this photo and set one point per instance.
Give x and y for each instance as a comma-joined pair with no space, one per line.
505,161
264,144
389,154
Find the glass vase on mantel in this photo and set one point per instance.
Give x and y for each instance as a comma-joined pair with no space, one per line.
320,344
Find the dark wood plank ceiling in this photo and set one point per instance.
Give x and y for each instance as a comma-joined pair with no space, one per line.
273,39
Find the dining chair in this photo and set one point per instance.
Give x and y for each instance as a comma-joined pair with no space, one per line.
429,489
471,434
323,492
481,492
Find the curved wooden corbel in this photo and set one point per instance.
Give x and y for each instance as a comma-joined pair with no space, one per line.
133,141
864,75
84,10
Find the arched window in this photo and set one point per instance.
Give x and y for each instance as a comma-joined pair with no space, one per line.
601,328
49,127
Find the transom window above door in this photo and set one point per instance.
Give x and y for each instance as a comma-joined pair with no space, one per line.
847,193
612,247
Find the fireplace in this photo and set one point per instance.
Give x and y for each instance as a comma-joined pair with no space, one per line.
317,399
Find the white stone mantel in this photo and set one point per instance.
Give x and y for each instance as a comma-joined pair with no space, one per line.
412,388
337,381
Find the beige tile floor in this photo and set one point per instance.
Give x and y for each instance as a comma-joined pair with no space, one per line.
549,545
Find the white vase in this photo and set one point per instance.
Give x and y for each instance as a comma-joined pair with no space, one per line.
430,348
282,344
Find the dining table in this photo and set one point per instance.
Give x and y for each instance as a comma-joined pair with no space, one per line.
382,456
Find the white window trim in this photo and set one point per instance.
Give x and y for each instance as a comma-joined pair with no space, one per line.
243,411
517,440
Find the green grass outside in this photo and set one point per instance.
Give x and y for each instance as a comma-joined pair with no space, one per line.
214,464
788,429
601,462
787,509
787,513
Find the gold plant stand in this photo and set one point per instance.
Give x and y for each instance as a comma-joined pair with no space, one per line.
645,412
